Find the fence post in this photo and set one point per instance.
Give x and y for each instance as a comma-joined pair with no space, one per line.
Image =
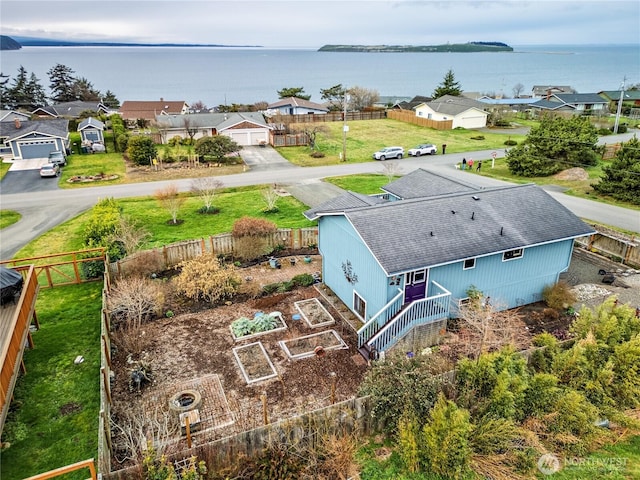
107,353
107,385
75,267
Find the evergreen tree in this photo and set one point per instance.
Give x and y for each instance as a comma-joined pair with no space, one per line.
110,100
35,92
297,92
83,89
622,177
334,96
555,144
61,83
17,96
449,86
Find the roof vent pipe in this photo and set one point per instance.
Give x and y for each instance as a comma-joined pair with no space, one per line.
501,230
473,214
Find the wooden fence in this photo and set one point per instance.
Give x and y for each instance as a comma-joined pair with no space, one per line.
59,269
410,117
307,429
104,420
223,244
617,246
328,117
69,468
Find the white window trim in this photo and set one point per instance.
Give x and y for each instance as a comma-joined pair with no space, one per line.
463,301
355,310
471,267
515,257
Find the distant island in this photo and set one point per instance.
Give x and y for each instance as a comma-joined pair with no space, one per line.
8,43
15,43
449,47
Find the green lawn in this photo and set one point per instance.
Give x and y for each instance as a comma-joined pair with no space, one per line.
613,462
90,165
53,420
8,217
233,203
367,136
4,168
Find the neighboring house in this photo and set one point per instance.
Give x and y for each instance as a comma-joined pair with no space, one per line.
629,97
34,138
91,130
388,101
132,111
297,106
248,128
70,109
464,112
544,91
404,266
412,104
11,115
516,104
578,103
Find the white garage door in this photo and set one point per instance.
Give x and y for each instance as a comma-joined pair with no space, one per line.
38,149
241,138
259,137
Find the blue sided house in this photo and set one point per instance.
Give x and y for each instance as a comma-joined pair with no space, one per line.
405,259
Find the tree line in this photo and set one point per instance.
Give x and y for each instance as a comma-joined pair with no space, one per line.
26,92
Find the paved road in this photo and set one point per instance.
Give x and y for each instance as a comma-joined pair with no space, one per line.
43,210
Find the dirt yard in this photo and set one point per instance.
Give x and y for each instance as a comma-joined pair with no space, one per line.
194,350
241,381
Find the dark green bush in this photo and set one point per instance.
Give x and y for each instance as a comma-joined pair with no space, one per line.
303,280
510,143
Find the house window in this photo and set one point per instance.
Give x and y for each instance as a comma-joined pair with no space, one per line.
419,114
359,305
464,301
419,276
469,263
512,254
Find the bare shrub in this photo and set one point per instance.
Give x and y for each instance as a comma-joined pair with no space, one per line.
558,296
391,170
135,429
169,198
143,264
135,299
206,188
336,456
129,234
484,329
251,237
206,278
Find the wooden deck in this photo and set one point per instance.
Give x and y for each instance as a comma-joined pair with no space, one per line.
15,319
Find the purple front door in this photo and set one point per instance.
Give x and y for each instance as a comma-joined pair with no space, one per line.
415,286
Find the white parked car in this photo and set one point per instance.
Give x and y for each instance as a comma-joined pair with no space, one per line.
423,149
49,170
389,152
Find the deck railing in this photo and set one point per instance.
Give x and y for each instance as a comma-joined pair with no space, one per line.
419,312
378,321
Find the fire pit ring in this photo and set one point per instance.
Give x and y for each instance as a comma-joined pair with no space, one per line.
185,400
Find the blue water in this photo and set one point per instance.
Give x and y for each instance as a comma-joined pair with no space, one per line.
246,75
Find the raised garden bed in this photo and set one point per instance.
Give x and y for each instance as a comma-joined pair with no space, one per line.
316,344
278,325
314,313
254,363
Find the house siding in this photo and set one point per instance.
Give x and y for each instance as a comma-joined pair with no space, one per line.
338,242
509,283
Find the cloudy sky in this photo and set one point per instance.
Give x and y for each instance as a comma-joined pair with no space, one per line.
312,23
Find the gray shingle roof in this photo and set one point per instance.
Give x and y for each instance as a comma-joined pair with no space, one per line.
91,122
575,98
342,203
411,234
422,183
211,120
58,127
298,102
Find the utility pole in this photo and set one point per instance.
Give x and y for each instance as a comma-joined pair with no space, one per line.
615,125
345,128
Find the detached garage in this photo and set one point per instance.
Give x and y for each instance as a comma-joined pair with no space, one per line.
35,139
